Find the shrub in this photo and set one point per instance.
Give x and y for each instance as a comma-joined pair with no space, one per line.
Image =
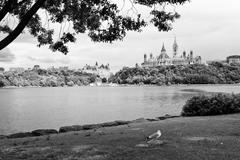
212,105
1,84
104,80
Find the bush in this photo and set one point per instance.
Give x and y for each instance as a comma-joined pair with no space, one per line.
104,80
199,79
1,84
212,105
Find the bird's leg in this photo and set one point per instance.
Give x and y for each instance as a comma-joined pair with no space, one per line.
152,140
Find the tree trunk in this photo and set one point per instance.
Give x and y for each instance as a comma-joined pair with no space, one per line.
25,20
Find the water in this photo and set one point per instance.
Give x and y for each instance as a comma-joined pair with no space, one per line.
26,109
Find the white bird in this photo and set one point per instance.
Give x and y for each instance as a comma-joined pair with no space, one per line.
154,136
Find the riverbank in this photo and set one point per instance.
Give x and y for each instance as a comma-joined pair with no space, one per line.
64,129
120,85
211,138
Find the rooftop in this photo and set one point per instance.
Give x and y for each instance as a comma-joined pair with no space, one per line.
234,56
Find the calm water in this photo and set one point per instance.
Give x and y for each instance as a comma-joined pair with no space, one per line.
26,109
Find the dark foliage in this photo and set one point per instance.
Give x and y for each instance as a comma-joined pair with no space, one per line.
47,78
215,73
104,80
1,84
212,105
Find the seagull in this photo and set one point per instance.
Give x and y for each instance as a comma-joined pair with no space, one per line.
154,136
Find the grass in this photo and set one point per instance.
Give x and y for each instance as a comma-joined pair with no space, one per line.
198,138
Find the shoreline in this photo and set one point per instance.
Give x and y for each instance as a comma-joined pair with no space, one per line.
119,85
85,127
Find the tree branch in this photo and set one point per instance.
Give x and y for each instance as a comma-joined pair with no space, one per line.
6,8
24,21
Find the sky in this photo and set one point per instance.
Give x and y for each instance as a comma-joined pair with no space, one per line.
208,27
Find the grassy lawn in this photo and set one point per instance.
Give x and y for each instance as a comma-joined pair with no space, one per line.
195,138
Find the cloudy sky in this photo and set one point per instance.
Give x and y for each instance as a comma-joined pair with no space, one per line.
208,27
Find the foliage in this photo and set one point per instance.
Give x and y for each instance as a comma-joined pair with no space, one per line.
101,20
215,73
212,105
46,78
104,80
1,84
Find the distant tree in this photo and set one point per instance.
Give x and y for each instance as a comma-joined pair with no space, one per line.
42,72
1,84
92,78
102,20
104,80
216,73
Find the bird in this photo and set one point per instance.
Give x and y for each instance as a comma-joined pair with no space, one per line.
154,136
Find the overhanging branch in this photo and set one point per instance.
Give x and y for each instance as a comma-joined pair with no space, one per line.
6,8
20,27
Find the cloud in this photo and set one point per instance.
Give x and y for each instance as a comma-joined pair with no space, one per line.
47,60
42,60
6,56
22,38
27,38
64,60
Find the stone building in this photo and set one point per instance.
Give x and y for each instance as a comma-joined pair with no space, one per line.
103,71
234,59
163,59
36,67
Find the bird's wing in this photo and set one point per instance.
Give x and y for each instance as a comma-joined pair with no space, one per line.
153,135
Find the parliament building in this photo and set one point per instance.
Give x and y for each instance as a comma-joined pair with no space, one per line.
164,59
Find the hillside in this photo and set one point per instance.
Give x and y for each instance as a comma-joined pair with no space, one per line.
46,78
215,73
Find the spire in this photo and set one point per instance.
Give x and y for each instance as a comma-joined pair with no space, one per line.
175,47
145,58
175,40
163,48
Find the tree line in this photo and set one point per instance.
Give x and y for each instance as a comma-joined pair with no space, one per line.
46,78
214,73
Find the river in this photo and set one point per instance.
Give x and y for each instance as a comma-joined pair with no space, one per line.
26,109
